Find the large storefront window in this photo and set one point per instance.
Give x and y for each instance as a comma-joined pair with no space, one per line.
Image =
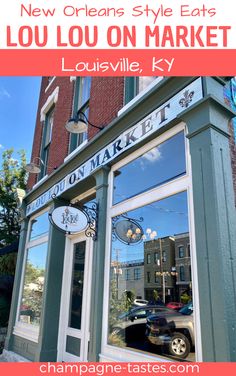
33,279
151,312
31,302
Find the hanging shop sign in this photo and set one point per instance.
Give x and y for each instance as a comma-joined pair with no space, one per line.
127,230
69,219
73,219
134,135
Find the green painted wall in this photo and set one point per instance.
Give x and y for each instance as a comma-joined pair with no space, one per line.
215,226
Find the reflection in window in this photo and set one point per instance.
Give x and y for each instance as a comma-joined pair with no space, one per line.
188,248
137,273
181,251
143,82
157,276
127,274
159,165
77,284
32,296
182,273
39,226
160,282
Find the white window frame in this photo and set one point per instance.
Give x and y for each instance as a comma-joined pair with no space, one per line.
50,83
21,329
182,183
50,102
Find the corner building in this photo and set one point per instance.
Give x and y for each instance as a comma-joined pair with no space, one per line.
156,186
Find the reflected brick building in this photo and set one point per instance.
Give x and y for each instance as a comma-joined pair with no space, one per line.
159,255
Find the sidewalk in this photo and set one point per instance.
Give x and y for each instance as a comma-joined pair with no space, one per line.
11,357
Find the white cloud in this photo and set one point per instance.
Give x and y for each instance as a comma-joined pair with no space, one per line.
4,93
1,146
152,155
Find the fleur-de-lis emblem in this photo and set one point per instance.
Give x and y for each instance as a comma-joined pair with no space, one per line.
187,99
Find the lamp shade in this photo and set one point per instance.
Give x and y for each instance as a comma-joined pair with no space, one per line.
33,168
76,126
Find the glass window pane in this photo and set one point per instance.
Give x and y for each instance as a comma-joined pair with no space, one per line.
164,226
159,165
39,226
84,90
31,302
48,127
77,284
144,82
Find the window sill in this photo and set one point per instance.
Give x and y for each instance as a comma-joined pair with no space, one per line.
40,181
140,95
26,331
74,152
115,354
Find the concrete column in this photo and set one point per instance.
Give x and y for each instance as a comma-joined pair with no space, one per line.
101,177
215,226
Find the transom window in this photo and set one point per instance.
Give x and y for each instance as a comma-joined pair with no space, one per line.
159,165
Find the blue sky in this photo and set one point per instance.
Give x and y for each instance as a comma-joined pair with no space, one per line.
18,108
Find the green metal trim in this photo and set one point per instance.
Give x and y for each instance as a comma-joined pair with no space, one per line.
130,88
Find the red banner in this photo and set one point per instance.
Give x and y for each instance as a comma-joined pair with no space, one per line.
111,369
118,62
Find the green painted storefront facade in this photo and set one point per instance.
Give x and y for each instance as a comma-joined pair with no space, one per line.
214,222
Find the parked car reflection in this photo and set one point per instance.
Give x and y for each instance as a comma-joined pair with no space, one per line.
174,331
175,305
132,324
